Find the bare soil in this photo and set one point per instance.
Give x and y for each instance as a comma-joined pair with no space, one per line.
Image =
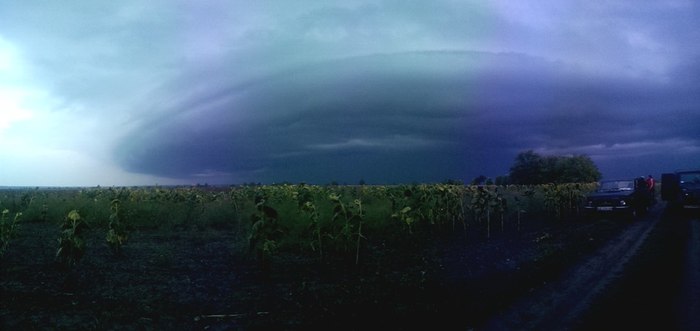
564,274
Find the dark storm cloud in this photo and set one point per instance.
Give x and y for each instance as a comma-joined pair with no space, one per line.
406,116
385,90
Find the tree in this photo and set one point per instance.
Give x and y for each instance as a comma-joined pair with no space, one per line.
531,168
527,169
480,180
578,169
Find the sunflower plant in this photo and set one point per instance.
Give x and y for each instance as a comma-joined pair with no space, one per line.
71,243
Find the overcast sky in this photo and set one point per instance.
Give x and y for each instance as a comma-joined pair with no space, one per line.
225,92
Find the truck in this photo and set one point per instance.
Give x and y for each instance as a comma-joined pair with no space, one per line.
626,197
681,189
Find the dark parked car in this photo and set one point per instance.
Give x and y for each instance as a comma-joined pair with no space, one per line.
624,197
681,189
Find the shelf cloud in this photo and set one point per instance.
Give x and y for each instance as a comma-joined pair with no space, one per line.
133,93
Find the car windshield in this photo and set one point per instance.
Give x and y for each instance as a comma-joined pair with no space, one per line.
691,179
616,185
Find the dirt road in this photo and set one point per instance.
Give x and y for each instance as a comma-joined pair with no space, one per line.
690,302
648,276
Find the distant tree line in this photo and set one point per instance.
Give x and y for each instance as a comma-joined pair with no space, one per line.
531,168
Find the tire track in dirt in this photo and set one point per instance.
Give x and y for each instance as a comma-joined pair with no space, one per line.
558,305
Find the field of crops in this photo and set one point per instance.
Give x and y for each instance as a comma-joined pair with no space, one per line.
295,217
79,239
